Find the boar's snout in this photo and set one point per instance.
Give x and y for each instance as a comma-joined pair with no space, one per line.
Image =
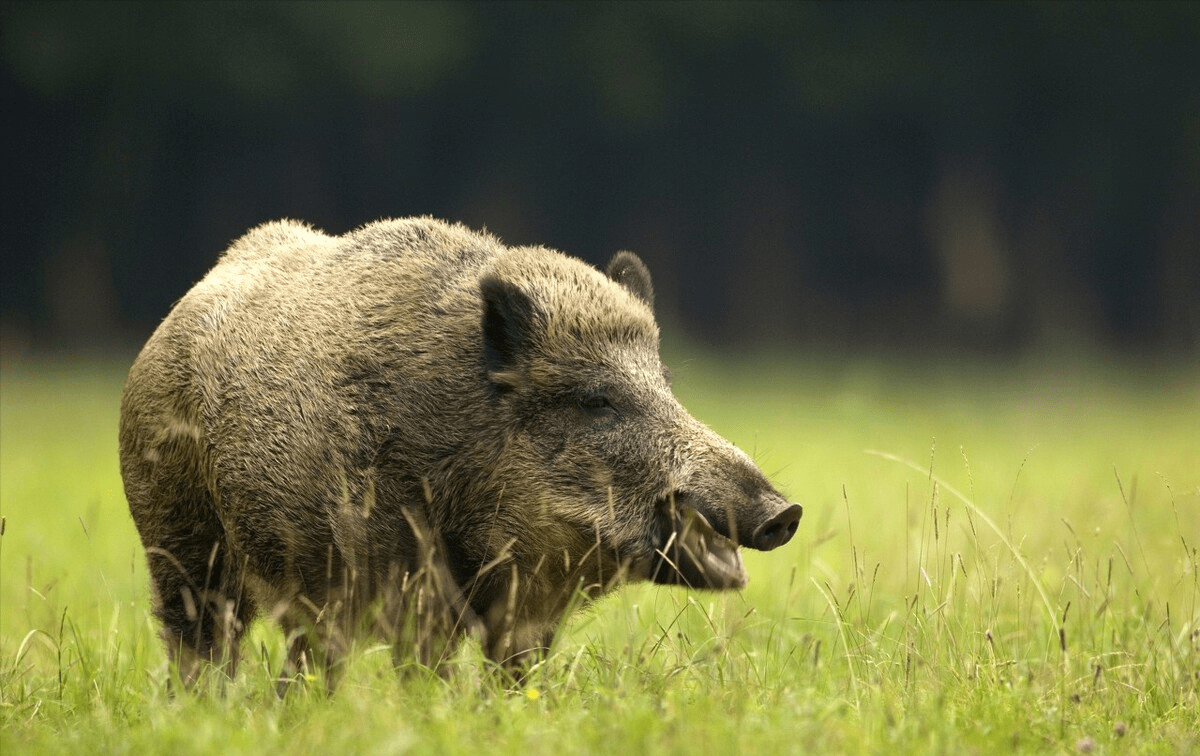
778,530
764,521
693,551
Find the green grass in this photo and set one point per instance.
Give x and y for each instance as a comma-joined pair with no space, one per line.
1026,581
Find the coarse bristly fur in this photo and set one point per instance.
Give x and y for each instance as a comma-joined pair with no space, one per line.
415,430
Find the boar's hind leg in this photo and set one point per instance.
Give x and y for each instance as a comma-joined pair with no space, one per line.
311,646
299,662
199,594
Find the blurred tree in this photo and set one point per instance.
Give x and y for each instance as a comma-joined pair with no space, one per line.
994,175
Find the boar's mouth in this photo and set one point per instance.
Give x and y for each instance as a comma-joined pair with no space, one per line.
690,552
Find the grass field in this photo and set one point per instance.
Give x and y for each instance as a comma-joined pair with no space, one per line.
994,558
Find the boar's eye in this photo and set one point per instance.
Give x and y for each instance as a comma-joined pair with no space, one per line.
598,405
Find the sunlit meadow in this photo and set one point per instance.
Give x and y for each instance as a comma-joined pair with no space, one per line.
994,558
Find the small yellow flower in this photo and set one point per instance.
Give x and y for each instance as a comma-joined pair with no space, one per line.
532,694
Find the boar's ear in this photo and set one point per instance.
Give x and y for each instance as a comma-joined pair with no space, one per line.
628,270
509,316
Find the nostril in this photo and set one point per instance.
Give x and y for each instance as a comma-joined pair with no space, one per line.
779,529
772,532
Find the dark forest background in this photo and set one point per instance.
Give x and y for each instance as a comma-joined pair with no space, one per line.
992,177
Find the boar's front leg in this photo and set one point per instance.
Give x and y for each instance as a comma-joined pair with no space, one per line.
424,613
517,632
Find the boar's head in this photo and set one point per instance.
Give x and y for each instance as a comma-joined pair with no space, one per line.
571,357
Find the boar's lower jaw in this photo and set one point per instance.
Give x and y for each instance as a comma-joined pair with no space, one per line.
695,555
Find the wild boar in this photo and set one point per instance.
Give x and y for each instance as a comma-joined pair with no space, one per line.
416,431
